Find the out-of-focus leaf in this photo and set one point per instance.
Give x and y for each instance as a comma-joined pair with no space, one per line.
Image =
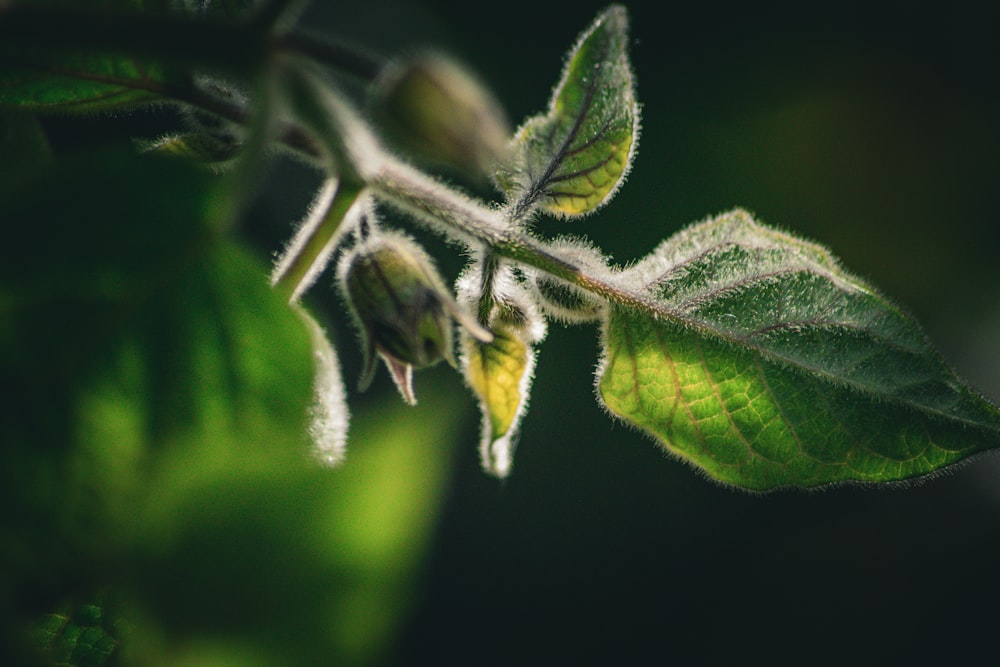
571,160
434,107
286,559
133,333
80,637
329,414
79,84
775,367
68,57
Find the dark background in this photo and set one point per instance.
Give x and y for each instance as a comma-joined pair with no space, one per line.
872,128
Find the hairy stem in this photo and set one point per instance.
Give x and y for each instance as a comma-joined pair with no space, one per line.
486,300
452,213
310,250
332,130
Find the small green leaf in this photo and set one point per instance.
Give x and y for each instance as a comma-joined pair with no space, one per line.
500,371
495,371
571,160
772,367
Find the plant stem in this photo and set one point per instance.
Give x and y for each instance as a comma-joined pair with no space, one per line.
236,48
452,213
491,264
310,250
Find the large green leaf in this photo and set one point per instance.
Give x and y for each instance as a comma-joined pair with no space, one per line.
771,366
79,83
572,159
134,333
155,452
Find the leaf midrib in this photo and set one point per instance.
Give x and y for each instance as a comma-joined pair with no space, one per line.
537,188
700,328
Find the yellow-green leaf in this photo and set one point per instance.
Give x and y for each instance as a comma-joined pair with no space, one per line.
500,371
571,160
771,366
495,371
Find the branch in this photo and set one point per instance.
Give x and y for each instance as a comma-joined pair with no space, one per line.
448,211
235,47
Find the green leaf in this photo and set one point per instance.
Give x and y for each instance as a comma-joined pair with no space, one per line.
105,56
571,160
81,636
495,371
79,84
134,333
770,366
500,371
289,561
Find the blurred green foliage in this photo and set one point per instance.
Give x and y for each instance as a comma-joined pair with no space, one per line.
155,454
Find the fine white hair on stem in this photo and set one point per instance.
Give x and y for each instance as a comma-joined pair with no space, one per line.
328,413
306,228
562,300
320,210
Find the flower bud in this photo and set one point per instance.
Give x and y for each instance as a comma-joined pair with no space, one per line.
441,112
401,307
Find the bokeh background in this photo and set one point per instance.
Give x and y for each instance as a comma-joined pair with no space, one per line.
870,127
873,128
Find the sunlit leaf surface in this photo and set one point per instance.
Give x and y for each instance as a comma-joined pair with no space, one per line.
777,368
572,159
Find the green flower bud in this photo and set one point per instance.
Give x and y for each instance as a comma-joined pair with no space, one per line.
438,110
401,307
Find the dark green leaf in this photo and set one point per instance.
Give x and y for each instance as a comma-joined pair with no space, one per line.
72,58
771,367
77,637
132,331
571,160
79,84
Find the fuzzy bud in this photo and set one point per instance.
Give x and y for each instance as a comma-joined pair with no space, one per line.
401,307
441,112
